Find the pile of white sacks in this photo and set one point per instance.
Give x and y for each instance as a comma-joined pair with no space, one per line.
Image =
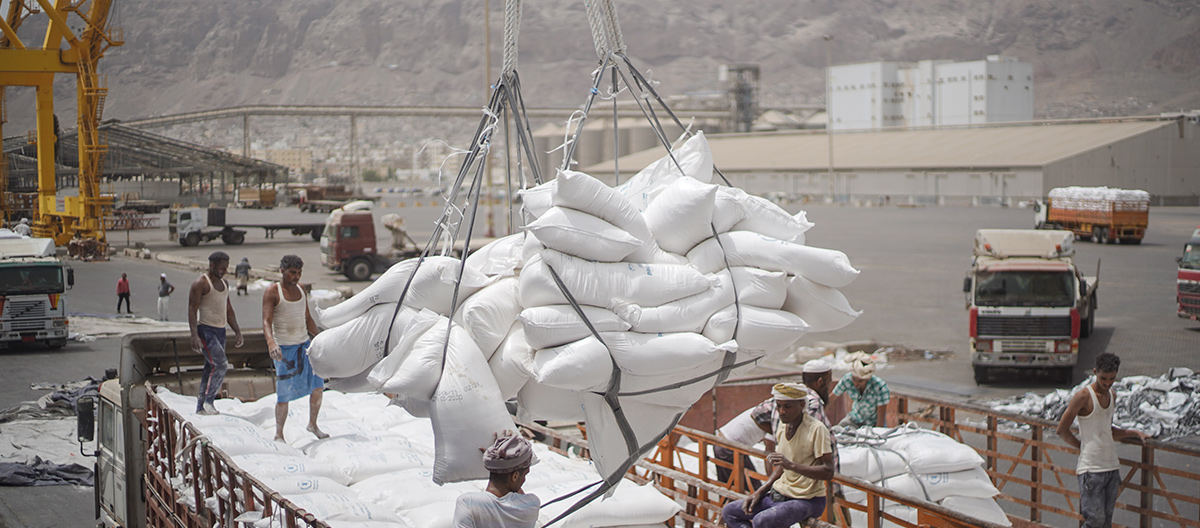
374,470
671,302
919,463
1094,198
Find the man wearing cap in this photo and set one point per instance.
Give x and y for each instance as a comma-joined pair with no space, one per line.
747,428
795,491
165,289
869,395
503,504
209,310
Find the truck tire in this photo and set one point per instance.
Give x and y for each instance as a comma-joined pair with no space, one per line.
56,344
1104,236
1065,375
192,239
1096,236
316,234
359,269
1086,325
233,238
981,374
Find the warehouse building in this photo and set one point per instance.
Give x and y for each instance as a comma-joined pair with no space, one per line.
990,164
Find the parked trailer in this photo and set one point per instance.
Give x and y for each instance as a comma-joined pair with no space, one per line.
1104,215
197,224
1187,279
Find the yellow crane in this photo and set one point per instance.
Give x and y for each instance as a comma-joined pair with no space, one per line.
63,217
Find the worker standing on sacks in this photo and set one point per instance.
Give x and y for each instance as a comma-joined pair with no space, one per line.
287,325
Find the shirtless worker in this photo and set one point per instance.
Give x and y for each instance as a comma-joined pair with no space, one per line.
1098,468
209,310
287,325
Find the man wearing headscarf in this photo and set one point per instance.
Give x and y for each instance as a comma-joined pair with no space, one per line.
795,491
869,395
502,504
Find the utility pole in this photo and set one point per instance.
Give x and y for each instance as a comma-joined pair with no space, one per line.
829,110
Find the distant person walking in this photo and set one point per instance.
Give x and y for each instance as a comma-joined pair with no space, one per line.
123,294
242,272
209,310
1098,468
23,228
165,289
287,325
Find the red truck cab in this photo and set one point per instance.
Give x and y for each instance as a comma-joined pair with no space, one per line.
1188,279
348,244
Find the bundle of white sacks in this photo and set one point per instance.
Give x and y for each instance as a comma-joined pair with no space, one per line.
374,470
676,275
1094,198
919,463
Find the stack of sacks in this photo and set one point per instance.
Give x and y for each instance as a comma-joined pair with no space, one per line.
1097,199
376,468
669,302
919,463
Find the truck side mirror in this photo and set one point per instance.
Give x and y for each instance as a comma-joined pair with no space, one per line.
1179,260
85,424
966,284
1082,287
70,276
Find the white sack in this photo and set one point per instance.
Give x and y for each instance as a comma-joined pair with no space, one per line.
688,314
766,218
432,288
629,504
360,465
500,257
351,348
864,462
759,287
702,378
760,330
859,518
408,489
543,402
583,235
488,314
581,192
582,365
604,283
728,208
467,413
512,364
982,509
933,452
535,201
415,363
823,308
433,514
327,449
681,215
693,157
605,441
288,465
337,506
559,324
299,484
234,442
657,354
937,486
744,248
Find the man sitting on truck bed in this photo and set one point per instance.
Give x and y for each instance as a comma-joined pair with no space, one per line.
209,310
795,491
287,325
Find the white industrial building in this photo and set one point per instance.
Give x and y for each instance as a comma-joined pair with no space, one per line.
876,95
981,164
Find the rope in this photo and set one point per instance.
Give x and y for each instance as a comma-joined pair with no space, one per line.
512,29
614,29
596,23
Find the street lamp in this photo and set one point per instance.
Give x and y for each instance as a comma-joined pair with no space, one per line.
829,110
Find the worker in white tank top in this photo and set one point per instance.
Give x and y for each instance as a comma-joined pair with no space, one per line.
1098,468
209,311
287,325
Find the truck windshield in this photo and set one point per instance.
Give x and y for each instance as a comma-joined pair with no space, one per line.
1191,257
29,279
1024,288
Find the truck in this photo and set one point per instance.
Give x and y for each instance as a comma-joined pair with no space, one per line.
348,244
256,198
1187,278
1029,304
194,225
33,285
1101,214
142,206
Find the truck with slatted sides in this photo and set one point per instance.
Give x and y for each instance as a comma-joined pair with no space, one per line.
1187,278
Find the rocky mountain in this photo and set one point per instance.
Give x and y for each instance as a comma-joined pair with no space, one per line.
1091,57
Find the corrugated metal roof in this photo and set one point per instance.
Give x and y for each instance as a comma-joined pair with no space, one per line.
1025,145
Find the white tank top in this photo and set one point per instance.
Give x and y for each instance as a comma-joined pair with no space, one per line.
213,304
290,326
1099,451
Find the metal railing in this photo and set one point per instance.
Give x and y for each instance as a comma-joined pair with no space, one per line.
1029,470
